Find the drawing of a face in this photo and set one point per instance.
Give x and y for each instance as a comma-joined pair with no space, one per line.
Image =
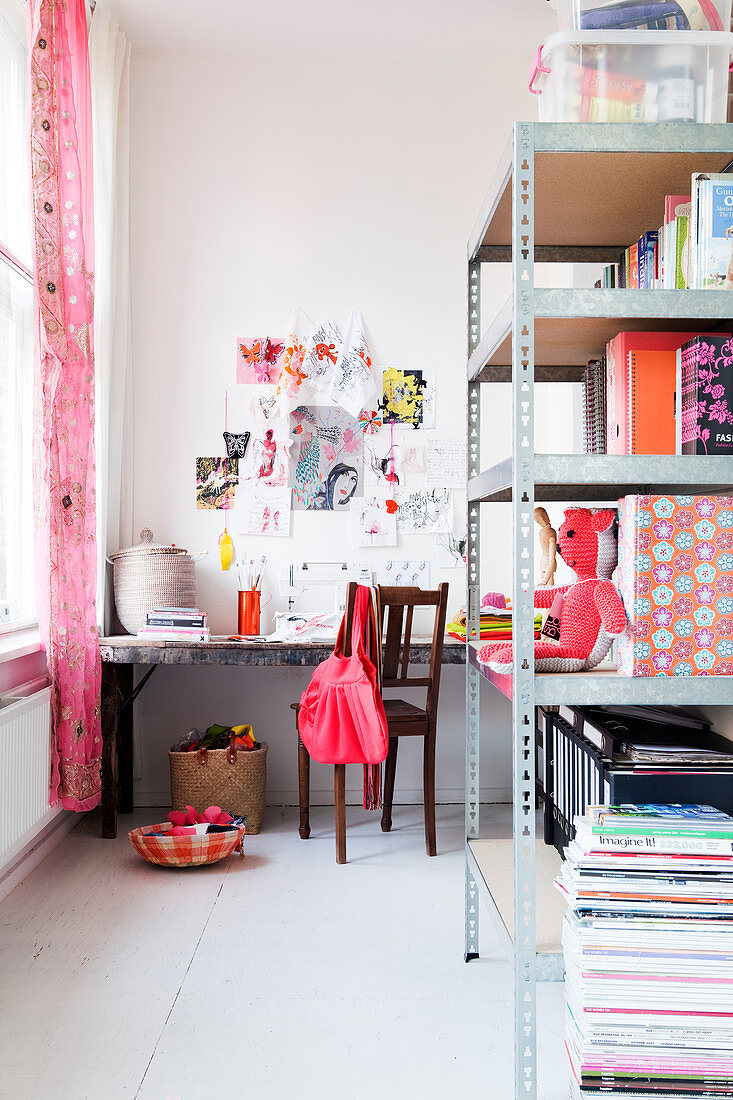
341,486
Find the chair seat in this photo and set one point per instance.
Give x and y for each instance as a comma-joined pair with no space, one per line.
404,718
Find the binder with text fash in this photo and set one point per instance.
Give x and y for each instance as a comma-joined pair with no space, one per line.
641,384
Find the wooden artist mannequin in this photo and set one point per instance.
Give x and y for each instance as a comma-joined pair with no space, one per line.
548,544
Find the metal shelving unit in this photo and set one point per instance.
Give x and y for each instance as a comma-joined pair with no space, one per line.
566,193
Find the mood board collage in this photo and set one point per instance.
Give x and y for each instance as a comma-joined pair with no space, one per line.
310,423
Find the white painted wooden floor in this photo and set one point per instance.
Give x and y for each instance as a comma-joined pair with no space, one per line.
280,976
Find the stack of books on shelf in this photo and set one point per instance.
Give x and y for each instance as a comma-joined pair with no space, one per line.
692,247
176,624
661,393
648,948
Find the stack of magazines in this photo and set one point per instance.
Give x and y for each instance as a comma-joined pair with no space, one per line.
648,947
176,624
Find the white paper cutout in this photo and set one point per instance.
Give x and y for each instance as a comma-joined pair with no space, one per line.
322,350
352,381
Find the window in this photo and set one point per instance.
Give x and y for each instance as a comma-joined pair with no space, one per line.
16,329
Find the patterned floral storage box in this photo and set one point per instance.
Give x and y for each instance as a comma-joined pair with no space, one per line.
675,574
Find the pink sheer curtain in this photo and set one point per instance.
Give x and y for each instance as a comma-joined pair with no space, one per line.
64,478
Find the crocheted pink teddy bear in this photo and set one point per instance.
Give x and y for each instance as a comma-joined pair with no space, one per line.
592,612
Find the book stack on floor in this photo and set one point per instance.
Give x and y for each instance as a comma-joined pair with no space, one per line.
648,947
176,624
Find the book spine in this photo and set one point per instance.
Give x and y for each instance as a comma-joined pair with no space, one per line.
681,268
188,624
662,844
642,267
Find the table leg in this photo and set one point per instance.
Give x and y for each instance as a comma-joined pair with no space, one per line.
124,738
110,703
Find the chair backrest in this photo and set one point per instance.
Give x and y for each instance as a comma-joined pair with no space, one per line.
397,605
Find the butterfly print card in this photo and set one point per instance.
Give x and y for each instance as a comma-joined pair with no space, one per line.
259,359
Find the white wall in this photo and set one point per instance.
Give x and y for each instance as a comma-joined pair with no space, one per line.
257,185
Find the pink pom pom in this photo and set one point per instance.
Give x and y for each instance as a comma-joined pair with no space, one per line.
212,815
177,817
182,830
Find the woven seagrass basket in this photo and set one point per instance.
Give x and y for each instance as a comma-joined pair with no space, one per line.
149,576
235,779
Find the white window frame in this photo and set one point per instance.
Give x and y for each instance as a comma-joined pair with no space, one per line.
17,267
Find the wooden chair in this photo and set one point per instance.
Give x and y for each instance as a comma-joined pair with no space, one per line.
403,719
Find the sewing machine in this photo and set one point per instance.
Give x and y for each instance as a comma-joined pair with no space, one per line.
299,577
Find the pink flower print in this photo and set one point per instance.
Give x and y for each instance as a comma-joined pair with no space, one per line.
683,563
644,540
643,670
352,440
724,540
682,650
329,452
662,661
705,594
704,638
725,628
725,502
663,573
705,551
643,586
717,391
682,606
644,501
642,629
725,668
705,508
262,371
662,616
718,411
684,519
725,584
663,529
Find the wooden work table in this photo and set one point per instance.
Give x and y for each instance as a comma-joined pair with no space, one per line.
121,653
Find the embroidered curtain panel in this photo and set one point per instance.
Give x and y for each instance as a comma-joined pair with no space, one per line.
64,478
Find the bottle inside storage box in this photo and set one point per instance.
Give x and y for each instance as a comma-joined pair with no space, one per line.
642,15
632,76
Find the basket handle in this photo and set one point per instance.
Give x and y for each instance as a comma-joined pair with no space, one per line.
231,752
197,557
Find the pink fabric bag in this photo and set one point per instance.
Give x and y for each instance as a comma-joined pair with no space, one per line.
342,719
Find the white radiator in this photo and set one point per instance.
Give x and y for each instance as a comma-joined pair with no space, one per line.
25,766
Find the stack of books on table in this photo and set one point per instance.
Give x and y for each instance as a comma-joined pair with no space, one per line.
176,624
648,947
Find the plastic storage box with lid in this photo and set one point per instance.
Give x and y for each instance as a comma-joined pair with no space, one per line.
632,76
664,15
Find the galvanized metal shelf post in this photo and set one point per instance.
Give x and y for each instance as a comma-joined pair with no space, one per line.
545,203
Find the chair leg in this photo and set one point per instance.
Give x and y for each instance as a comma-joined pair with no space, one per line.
390,768
304,789
429,792
339,802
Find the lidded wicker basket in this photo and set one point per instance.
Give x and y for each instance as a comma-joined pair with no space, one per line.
151,575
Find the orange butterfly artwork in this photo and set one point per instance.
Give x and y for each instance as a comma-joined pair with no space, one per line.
259,359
